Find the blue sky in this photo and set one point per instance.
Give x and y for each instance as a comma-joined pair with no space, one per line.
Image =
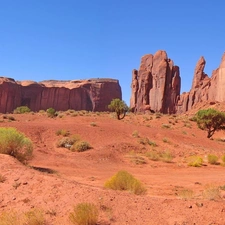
79,39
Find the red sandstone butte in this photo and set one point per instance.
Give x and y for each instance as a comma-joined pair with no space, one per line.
204,89
156,85
91,95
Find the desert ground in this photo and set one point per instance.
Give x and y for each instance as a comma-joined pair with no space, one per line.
57,179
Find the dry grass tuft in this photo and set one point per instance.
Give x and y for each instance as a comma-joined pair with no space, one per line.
195,161
212,192
84,214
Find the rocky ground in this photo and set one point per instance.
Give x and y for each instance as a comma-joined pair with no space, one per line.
56,179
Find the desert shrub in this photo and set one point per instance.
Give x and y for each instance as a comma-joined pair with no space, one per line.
14,143
62,132
152,155
21,110
186,194
80,146
195,161
124,181
35,217
166,156
67,142
9,218
51,112
2,178
212,159
165,140
93,124
212,192
137,159
158,115
223,158
145,141
84,214
167,126
135,134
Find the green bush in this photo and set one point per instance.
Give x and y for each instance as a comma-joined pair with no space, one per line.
21,110
80,146
14,143
84,214
212,159
124,181
51,112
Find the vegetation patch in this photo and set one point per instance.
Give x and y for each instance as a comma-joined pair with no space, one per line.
16,144
21,110
195,161
213,159
166,156
212,192
64,133
80,146
84,214
186,194
152,155
124,181
67,142
210,120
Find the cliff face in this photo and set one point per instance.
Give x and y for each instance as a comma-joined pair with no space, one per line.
91,95
204,88
156,85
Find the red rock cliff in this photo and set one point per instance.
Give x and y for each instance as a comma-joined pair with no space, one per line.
91,95
204,89
156,85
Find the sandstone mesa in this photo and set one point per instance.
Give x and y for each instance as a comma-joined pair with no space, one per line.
90,95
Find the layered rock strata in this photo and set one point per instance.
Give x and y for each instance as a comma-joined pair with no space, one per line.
156,85
91,95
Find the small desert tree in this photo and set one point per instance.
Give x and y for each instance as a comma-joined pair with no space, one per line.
119,107
210,120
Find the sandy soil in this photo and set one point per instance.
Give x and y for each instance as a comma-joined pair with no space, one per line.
177,194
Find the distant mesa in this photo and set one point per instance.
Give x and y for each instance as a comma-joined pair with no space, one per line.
156,85
92,94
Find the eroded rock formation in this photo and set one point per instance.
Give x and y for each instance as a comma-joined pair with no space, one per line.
156,85
204,89
91,95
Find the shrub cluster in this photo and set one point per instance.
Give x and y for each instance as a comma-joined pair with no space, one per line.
21,110
14,143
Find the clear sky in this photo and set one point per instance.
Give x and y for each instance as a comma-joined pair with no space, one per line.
79,39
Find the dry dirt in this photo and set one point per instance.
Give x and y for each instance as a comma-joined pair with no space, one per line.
175,191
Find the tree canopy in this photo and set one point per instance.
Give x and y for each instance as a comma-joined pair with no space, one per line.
210,120
118,106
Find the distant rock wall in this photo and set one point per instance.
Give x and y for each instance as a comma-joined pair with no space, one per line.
204,89
91,95
156,85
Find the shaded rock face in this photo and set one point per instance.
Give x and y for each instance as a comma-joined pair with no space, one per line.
204,88
91,95
156,85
